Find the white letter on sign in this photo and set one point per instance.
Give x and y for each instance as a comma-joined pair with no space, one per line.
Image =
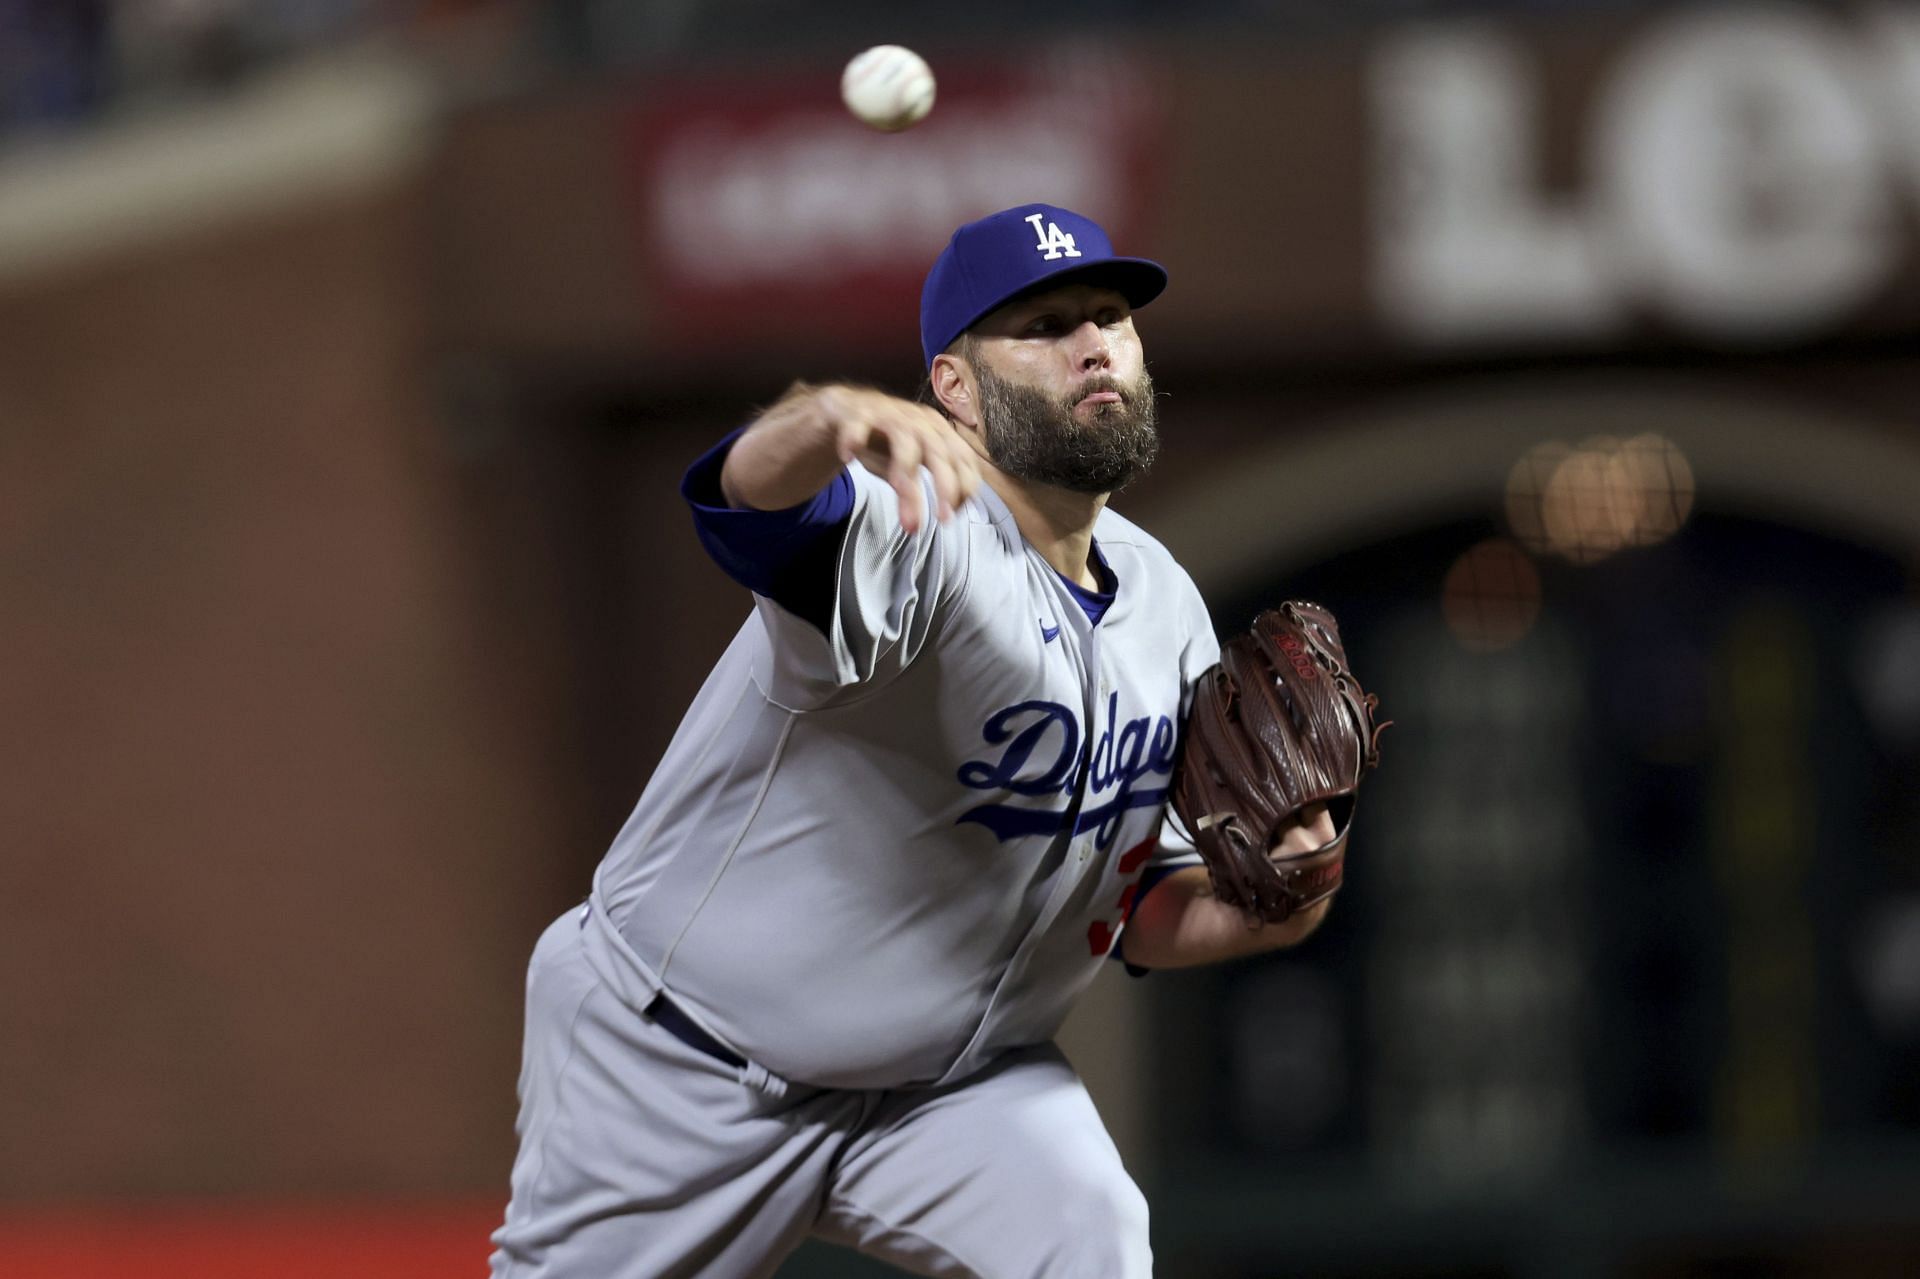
1745,183
1465,245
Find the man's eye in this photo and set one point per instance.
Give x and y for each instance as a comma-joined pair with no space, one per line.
1111,317
1045,324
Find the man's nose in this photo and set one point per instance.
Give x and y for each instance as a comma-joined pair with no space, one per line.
1093,349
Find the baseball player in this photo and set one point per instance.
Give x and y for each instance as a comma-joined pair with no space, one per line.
917,804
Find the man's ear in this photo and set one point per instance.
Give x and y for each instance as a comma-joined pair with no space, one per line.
951,378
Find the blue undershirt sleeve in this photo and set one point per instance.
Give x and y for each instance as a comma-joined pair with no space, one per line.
790,556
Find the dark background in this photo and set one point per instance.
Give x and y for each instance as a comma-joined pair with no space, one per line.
350,356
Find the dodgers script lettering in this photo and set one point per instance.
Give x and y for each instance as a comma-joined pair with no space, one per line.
1039,753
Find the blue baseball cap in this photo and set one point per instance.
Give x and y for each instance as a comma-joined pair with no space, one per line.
990,262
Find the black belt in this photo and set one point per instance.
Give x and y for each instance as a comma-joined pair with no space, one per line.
683,1028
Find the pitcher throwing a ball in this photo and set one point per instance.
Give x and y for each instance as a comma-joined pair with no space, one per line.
918,802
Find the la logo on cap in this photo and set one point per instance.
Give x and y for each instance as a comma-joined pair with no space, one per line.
985,266
1054,243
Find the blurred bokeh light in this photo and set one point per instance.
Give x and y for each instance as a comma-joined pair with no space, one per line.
1491,596
1584,502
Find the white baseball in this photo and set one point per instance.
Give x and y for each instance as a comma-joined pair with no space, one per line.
888,87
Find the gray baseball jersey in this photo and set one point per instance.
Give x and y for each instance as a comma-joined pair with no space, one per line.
891,844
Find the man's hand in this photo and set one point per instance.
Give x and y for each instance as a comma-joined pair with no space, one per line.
1279,732
796,447
894,438
1313,829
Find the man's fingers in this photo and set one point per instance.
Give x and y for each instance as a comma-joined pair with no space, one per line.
1313,829
962,466
966,463
946,484
894,439
894,452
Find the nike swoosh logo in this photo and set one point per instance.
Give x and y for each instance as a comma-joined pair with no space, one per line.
1048,634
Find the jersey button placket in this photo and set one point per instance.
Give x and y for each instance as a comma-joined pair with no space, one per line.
1096,680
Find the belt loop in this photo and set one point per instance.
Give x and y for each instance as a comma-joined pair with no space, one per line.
762,1080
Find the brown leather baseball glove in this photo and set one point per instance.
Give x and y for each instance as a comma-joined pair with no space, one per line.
1279,725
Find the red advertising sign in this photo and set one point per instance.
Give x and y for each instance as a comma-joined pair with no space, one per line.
771,214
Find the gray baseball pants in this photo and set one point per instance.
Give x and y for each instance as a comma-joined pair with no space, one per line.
642,1157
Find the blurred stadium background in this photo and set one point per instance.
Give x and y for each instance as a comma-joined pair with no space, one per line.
349,354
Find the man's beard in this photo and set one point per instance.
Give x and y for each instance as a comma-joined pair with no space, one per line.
1033,436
